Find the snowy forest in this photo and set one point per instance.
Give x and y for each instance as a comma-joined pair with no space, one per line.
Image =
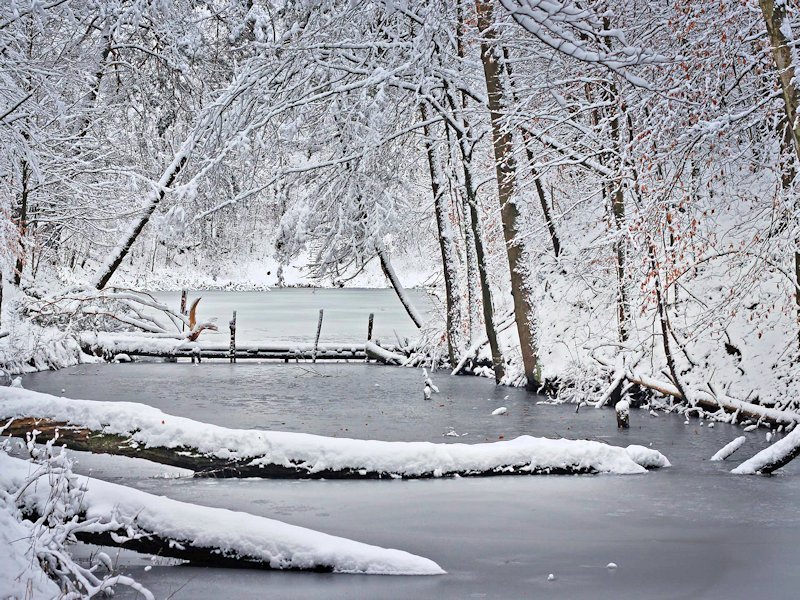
600,200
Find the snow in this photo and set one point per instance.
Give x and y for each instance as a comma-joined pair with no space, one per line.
770,454
729,448
499,411
278,544
20,577
150,427
387,356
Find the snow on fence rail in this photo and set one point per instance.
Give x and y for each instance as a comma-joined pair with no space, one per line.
139,430
112,344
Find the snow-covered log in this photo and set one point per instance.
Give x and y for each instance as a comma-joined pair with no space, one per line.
727,404
773,457
143,522
139,430
383,355
729,449
137,344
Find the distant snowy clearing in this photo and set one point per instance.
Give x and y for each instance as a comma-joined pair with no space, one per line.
255,452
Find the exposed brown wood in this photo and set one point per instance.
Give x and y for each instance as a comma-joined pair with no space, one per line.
775,18
157,545
86,440
232,326
474,233
505,171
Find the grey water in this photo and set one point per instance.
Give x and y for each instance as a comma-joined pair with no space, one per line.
690,531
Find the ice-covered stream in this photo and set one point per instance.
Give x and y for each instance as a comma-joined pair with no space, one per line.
290,314
691,531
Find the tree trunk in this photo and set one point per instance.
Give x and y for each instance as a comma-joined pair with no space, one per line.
486,292
773,457
22,224
473,234
388,270
118,254
446,242
617,198
528,142
775,18
505,168
474,299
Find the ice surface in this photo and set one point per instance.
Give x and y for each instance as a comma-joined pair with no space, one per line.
677,533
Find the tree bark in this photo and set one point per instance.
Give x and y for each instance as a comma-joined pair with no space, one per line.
88,440
22,223
528,142
122,249
775,18
505,169
388,270
446,241
474,233
773,457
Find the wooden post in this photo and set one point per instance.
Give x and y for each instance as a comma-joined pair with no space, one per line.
622,409
183,307
232,325
196,354
369,333
316,340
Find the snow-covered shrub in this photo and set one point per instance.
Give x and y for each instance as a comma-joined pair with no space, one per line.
50,527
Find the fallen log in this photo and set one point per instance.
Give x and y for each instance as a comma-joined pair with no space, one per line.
727,404
773,457
142,431
383,355
729,449
121,516
108,345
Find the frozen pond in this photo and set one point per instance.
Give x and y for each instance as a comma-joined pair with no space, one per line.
691,531
290,314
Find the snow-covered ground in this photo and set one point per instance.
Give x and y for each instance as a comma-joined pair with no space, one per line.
265,273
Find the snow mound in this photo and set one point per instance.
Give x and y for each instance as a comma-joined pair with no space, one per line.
647,457
20,576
